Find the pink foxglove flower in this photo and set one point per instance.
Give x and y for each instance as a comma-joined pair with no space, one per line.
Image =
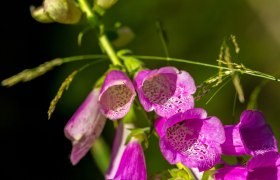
116,95
261,166
128,161
167,90
85,126
191,138
251,136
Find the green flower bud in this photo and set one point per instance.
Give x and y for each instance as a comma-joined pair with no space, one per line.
40,15
124,36
63,11
105,4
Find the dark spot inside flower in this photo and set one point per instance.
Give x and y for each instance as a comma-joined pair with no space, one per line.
159,88
116,97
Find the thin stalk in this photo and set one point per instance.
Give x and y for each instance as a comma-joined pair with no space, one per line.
92,19
99,56
249,72
83,57
105,43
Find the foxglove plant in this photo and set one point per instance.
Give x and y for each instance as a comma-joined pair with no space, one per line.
166,90
85,126
191,138
251,136
187,136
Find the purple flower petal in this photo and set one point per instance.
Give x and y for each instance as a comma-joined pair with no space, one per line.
116,95
132,165
261,166
117,151
260,142
166,90
251,136
128,161
193,139
233,144
264,166
231,173
85,126
159,126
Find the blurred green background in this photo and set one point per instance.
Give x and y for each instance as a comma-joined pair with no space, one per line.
37,148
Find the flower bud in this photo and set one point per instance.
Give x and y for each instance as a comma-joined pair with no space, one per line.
63,11
40,15
125,36
106,4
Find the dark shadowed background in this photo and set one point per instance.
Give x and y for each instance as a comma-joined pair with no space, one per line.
35,148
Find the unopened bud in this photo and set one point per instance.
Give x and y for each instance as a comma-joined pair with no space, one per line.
125,36
40,15
106,4
63,11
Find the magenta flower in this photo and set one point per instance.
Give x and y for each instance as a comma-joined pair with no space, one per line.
191,138
167,90
116,95
128,161
261,166
251,136
85,126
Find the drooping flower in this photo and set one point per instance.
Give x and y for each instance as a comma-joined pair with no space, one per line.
116,95
192,138
261,166
251,136
128,161
85,126
167,90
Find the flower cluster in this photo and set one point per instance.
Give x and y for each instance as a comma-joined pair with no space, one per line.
187,135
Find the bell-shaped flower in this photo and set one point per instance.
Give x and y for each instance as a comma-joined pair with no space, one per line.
127,161
167,90
191,138
116,95
251,136
85,126
261,166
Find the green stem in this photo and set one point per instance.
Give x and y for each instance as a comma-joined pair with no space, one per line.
252,73
83,57
101,154
109,49
105,43
92,19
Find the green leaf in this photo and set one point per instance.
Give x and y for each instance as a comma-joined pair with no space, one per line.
141,134
208,175
132,64
179,174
